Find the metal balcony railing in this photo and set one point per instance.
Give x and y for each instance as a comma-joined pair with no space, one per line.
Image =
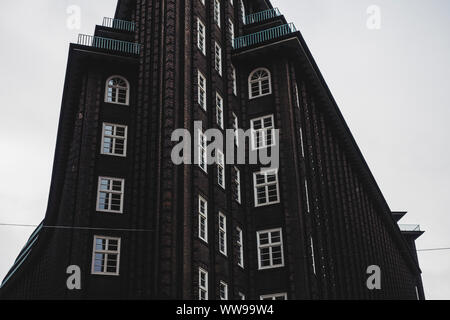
409,227
119,24
262,36
109,44
262,15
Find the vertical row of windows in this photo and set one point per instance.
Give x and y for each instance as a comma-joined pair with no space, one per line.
110,191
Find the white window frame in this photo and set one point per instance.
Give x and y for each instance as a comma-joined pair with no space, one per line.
266,185
218,58
313,256
260,82
115,100
297,95
243,13
106,253
114,137
237,185
274,296
223,285
270,245
202,90
234,79
110,191
217,13
223,234
302,142
240,245
202,289
308,204
231,29
220,159
219,111
201,36
202,219
202,151
264,132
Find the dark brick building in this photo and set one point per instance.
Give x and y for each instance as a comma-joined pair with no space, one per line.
141,227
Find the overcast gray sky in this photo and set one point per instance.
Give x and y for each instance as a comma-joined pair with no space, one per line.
391,84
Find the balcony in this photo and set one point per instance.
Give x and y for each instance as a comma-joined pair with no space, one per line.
109,44
262,15
119,24
409,227
263,36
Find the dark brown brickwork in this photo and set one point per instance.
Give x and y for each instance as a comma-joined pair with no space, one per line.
348,219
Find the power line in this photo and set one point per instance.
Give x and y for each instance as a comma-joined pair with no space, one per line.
433,249
137,230
74,228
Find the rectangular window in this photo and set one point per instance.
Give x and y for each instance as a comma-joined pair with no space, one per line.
302,143
202,284
203,219
218,58
237,185
234,79
110,195
262,132
223,289
308,207
114,140
270,249
297,97
202,90
276,296
220,169
266,188
201,36
219,110
236,128
222,233
240,247
202,151
231,29
243,11
106,256
217,12
313,256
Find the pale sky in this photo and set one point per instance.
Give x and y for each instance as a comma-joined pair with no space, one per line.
391,85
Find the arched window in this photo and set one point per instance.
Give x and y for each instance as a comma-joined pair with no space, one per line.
117,90
259,83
